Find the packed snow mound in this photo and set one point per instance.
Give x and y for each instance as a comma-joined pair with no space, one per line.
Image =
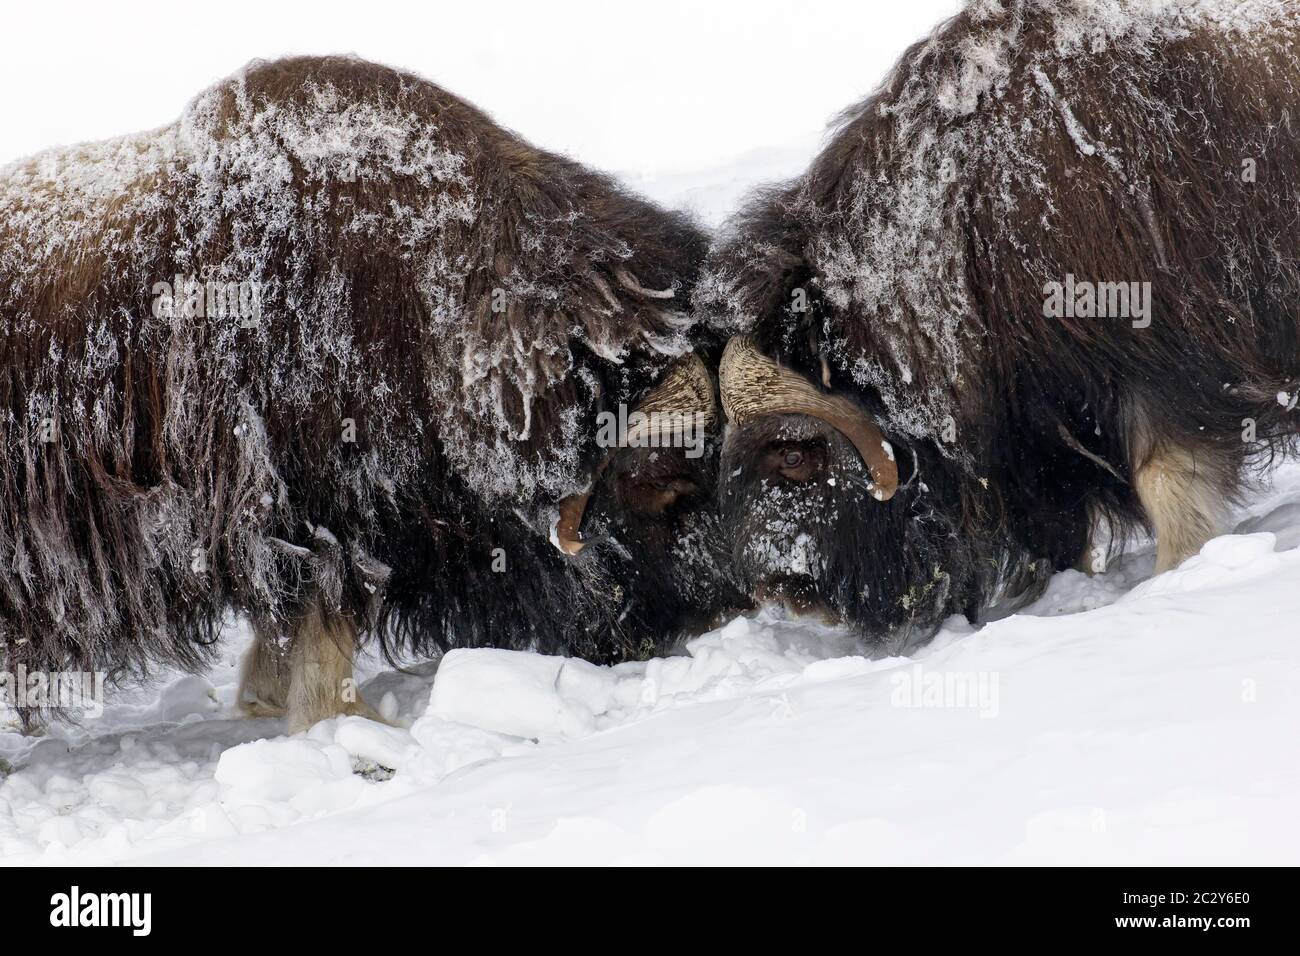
1121,719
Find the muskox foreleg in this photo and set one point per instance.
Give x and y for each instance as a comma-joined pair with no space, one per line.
320,670
308,678
264,676
1180,496
1182,490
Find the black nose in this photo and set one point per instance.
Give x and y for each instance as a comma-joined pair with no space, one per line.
796,461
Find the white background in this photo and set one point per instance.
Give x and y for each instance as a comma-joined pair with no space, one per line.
649,89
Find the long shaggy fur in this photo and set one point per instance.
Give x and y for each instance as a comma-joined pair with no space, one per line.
1022,142
444,310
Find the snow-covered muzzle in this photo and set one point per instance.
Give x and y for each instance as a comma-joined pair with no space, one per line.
780,508
651,525
803,465
806,532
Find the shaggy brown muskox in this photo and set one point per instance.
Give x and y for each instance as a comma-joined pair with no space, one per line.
331,351
1047,276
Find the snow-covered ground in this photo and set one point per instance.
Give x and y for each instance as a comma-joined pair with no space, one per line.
1116,720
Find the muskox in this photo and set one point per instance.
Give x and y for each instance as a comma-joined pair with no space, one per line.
1040,290
332,352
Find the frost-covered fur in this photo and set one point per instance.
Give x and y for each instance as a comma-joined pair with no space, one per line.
443,311
1023,142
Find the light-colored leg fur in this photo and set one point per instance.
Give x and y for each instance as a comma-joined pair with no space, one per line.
310,680
264,677
1183,500
320,671
1093,558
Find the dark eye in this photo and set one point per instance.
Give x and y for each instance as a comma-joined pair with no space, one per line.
796,461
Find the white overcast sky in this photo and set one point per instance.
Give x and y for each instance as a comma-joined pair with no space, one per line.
645,88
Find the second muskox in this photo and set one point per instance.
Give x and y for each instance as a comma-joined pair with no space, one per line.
332,351
1045,281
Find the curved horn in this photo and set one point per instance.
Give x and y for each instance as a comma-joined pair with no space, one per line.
565,536
754,385
687,389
